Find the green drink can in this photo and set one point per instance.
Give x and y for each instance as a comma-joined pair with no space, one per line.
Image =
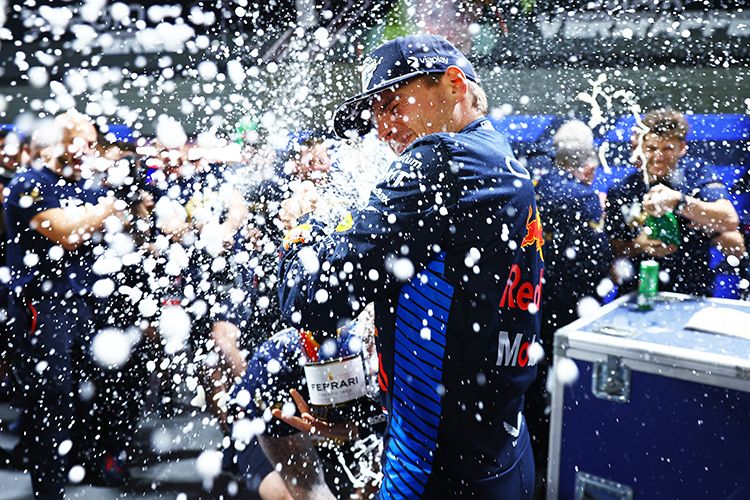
648,284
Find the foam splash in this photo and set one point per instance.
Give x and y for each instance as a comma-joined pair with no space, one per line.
628,99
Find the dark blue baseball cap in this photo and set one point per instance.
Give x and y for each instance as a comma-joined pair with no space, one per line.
392,63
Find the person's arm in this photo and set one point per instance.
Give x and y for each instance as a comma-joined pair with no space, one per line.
176,228
304,200
236,217
301,467
69,233
325,278
171,219
711,216
730,243
293,454
3,221
642,244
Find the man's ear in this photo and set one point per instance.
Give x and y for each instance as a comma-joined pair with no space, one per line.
683,148
457,78
589,172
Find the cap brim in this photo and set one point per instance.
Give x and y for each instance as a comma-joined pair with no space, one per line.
348,121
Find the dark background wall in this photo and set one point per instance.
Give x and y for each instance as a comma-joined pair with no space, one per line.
182,60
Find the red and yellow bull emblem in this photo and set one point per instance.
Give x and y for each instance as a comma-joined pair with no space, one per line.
345,224
297,234
534,233
309,344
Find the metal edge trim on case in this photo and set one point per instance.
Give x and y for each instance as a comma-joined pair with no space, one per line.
555,437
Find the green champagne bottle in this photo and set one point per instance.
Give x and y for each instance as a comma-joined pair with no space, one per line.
665,229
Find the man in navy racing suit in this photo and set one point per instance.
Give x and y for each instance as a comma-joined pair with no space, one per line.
450,250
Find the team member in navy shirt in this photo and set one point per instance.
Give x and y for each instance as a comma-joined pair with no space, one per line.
664,182
54,216
450,250
577,252
577,257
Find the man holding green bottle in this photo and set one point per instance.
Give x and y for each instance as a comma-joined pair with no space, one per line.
669,210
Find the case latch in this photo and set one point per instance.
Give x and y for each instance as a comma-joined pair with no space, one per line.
611,380
590,487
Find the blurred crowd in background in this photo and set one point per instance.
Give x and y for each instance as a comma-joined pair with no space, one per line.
162,261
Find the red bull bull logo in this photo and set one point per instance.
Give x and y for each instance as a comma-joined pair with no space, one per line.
299,234
534,233
309,345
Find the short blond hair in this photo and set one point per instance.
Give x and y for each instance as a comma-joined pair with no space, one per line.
479,96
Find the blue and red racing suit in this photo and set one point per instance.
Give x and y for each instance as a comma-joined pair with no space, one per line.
449,248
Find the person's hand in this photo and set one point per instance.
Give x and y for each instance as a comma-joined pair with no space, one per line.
304,200
112,207
238,210
254,237
307,423
653,248
146,204
660,199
